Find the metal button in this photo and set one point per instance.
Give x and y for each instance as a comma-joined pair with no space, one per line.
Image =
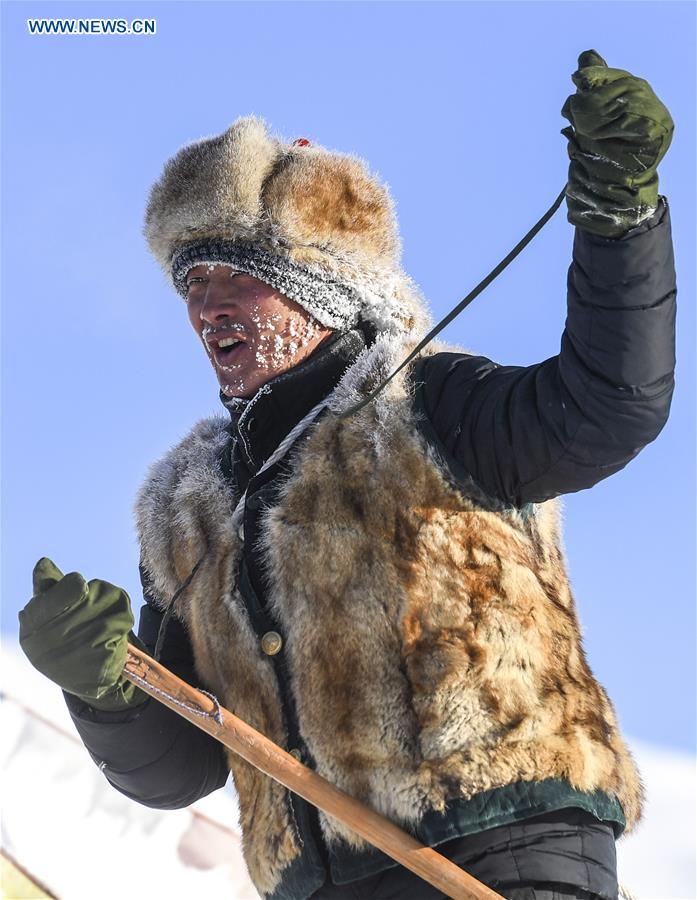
271,643
296,754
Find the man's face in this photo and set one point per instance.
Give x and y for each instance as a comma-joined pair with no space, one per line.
251,332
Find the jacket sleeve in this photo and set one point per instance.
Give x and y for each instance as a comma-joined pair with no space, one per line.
525,434
151,754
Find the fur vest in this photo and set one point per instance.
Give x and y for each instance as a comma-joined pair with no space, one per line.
431,643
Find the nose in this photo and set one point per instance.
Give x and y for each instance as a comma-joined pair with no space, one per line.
220,301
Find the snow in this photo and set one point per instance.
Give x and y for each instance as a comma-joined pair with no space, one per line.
658,861
64,823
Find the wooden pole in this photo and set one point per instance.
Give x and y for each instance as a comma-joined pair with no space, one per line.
205,712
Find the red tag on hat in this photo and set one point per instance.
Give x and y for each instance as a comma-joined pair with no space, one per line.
301,142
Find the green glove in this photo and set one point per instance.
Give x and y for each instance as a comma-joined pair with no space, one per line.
76,634
619,133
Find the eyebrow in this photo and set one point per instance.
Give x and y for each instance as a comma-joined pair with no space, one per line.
233,272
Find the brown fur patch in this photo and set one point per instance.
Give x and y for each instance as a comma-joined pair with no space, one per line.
330,201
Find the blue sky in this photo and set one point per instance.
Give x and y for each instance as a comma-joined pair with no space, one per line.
457,107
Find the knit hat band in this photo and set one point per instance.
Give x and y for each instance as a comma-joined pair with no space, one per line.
335,304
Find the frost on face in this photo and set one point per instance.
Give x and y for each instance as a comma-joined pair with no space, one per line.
280,340
276,333
233,388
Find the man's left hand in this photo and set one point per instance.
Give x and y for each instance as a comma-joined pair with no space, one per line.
619,133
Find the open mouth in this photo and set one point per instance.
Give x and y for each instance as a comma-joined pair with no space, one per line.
225,348
225,355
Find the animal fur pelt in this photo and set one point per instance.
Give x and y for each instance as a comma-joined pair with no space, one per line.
434,652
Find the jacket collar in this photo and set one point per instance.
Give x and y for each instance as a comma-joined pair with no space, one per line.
261,423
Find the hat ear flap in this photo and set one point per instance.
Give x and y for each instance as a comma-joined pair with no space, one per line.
330,202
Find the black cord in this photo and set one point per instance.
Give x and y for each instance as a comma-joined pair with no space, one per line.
462,304
161,631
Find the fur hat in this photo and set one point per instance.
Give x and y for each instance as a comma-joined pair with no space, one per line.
314,224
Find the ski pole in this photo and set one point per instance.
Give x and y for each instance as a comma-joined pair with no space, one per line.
204,711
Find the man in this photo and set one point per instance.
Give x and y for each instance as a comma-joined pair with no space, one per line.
383,594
